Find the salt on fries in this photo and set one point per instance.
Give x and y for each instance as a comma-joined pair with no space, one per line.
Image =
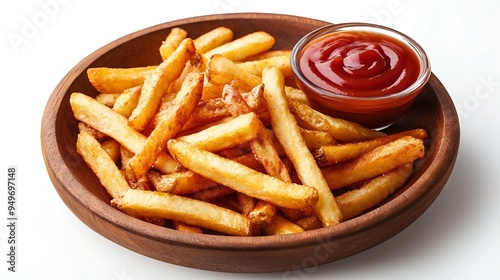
212,140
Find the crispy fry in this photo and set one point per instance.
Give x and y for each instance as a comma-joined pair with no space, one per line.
116,80
296,94
101,164
331,154
127,101
226,135
280,225
244,47
357,201
180,226
168,206
213,38
107,99
170,124
221,70
242,178
288,133
157,83
269,54
112,148
262,146
378,161
263,149
255,67
340,129
183,182
111,123
309,222
263,213
173,40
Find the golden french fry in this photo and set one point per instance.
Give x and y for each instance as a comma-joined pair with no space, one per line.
226,135
378,161
314,139
269,54
101,164
262,146
308,222
107,99
280,225
157,83
112,148
287,132
340,129
263,213
263,149
170,124
116,80
109,122
127,101
141,184
141,203
215,108
180,226
296,94
241,178
221,70
173,40
244,47
213,38
255,67
331,154
183,182
357,201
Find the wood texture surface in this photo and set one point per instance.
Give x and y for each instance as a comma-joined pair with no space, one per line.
80,190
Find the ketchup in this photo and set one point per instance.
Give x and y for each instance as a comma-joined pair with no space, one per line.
359,64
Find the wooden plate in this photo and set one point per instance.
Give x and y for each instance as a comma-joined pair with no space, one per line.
81,191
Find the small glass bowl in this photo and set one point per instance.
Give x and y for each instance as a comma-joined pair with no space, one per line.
375,112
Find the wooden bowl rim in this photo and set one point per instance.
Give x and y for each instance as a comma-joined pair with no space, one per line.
63,178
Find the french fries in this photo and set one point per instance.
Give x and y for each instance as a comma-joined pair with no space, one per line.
213,39
376,162
171,123
116,80
287,131
340,129
355,202
172,41
103,166
241,178
211,139
157,204
157,83
244,47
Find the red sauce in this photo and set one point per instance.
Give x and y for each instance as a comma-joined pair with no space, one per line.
359,64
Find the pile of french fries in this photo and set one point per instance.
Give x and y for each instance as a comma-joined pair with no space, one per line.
217,139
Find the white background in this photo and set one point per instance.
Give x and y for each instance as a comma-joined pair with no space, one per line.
457,238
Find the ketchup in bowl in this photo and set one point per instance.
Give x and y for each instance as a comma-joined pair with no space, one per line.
365,73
